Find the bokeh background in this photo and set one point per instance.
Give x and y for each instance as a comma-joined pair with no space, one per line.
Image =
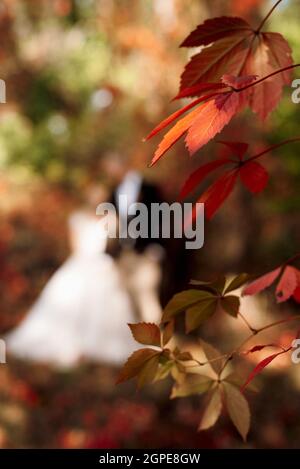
85,78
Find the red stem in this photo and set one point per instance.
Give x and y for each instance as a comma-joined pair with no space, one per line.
285,69
274,147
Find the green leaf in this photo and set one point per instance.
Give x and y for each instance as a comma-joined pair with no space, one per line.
237,282
148,371
231,305
216,286
193,384
184,356
135,363
168,332
197,314
212,411
212,353
238,379
182,301
164,370
146,333
238,409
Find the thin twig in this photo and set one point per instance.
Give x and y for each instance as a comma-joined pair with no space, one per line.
285,69
267,17
274,147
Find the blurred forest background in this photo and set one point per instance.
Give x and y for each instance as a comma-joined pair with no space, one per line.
85,78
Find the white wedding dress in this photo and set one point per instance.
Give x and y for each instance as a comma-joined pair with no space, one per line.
84,309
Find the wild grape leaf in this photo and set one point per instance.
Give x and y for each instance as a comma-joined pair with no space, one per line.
182,301
199,313
199,175
260,367
148,372
217,193
212,411
135,364
168,332
238,409
193,384
237,148
254,176
215,286
146,333
258,348
209,118
214,29
262,282
236,283
296,294
238,49
231,305
287,284
212,355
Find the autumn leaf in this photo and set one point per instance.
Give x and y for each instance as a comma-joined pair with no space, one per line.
231,305
252,174
215,286
212,355
215,110
258,348
135,364
146,333
287,284
217,193
168,332
236,283
212,411
235,47
199,313
148,372
260,367
238,408
184,300
192,385
262,283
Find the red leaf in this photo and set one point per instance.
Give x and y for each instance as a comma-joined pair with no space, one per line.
239,81
172,118
217,193
287,284
259,368
238,49
136,363
204,122
296,294
175,134
271,53
238,148
146,333
211,119
262,283
254,176
213,29
198,176
258,348
199,89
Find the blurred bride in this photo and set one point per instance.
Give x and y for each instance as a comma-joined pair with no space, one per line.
84,309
